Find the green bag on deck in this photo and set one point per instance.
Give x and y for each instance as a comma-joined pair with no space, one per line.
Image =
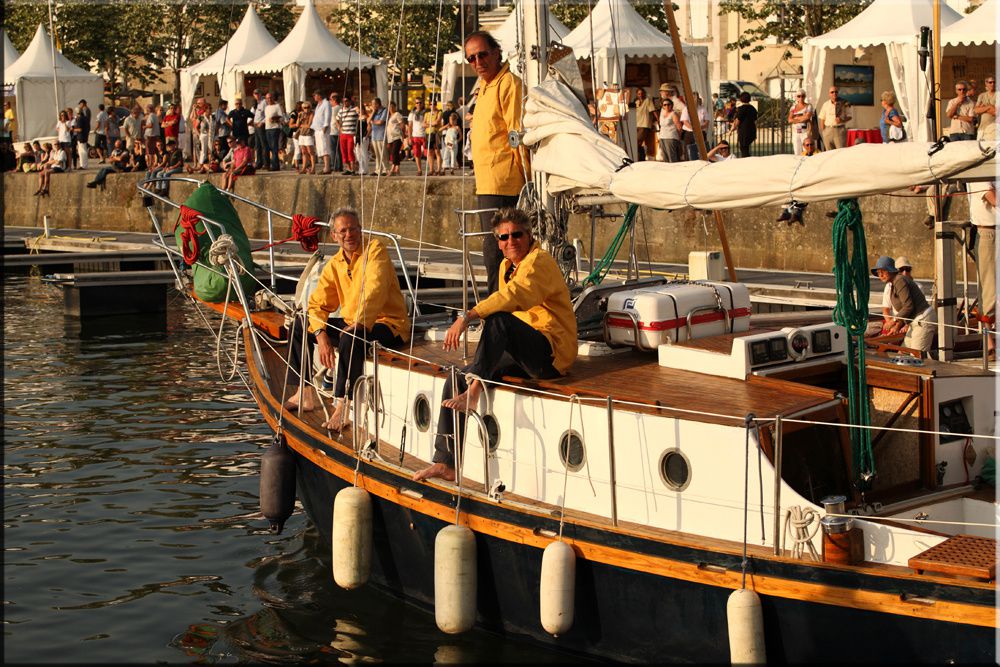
210,282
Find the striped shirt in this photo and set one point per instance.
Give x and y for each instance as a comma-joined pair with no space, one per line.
348,119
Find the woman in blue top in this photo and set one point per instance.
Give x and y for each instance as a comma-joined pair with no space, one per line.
891,118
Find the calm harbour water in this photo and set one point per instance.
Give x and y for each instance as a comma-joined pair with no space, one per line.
131,524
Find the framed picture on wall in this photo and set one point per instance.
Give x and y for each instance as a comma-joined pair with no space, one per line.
856,84
637,75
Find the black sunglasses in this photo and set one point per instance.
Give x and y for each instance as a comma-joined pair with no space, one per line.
477,56
503,237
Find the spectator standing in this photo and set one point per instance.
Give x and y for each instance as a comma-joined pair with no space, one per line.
221,122
961,111
800,117
101,133
501,171
986,110
321,129
451,136
64,136
982,210
833,117
293,135
258,138
139,156
274,118
9,121
171,124
745,124
204,133
307,140
645,122
379,120
394,131
335,156
891,121
114,128
81,130
347,128
239,121
687,128
432,126
132,127
362,147
417,132
669,132
150,130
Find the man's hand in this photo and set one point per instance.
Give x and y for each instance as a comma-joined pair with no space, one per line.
326,356
458,327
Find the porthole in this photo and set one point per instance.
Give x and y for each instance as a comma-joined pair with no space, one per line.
675,471
571,451
492,431
422,413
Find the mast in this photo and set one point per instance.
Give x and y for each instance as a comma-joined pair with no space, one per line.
944,256
534,21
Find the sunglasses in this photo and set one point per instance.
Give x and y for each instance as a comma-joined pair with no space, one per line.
959,88
515,235
477,56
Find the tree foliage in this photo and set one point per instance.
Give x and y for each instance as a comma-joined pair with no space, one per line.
790,21
573,12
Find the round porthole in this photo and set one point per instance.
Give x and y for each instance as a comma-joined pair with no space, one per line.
675,470
492,431
422,412
571,451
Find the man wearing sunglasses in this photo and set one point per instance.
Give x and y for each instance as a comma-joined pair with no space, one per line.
833,117
986,110
961,111
529,330
500,170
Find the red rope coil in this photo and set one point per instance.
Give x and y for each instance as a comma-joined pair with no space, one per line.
189,236
304,230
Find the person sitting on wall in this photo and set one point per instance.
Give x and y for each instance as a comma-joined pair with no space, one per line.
360,281
913,316
240,164
529,330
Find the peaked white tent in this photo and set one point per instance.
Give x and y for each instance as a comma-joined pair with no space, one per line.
38,97
615,32
454,64
310,46
886,35
979,27
251,40
10,54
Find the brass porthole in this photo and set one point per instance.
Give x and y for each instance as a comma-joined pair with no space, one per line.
675,470
422,413
571,451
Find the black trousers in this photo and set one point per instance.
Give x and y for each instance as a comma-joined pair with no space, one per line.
491,251
351,349
508,346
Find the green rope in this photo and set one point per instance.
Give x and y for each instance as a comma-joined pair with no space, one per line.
604,264
850,269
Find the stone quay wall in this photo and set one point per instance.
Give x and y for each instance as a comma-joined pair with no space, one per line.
893,223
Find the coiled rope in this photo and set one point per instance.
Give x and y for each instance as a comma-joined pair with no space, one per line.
850,269
305,230
604,264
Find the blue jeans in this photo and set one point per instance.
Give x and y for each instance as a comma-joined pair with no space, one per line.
273,141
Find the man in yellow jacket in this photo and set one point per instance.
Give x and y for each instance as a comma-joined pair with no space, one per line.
529,330
362,283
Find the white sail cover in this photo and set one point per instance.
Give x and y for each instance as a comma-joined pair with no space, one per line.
979,27
310,46
250,40
558,126
38,99
890,24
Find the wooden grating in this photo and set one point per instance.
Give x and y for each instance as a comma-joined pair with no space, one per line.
964,555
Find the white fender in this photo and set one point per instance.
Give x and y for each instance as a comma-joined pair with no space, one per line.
558,588
746,628
352,537
455,579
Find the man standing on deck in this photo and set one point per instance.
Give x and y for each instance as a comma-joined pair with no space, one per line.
983,211
500,170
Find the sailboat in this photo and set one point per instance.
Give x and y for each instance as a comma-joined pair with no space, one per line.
695,489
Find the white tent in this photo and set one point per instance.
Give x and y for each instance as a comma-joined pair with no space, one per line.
886,36
250,41
38,98
615,32
10,54
454,65
310,46
979,27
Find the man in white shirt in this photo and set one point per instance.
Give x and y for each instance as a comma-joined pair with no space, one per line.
335,106
417,132
274,117
833,119
961,111
321,129
982,210
258,142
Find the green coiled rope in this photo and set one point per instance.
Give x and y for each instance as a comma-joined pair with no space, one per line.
604,264
850,269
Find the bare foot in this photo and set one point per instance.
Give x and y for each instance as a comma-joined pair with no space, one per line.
441,470
305,398
468,400
338,420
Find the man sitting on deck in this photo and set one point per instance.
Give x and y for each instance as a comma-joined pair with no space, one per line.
362,283
529,330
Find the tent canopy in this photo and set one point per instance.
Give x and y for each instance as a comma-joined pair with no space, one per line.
979,27
249,41
310,46
38,99
10,54
454,65
893,28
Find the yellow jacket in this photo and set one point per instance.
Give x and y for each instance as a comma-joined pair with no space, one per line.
537,295
366,290
499,169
